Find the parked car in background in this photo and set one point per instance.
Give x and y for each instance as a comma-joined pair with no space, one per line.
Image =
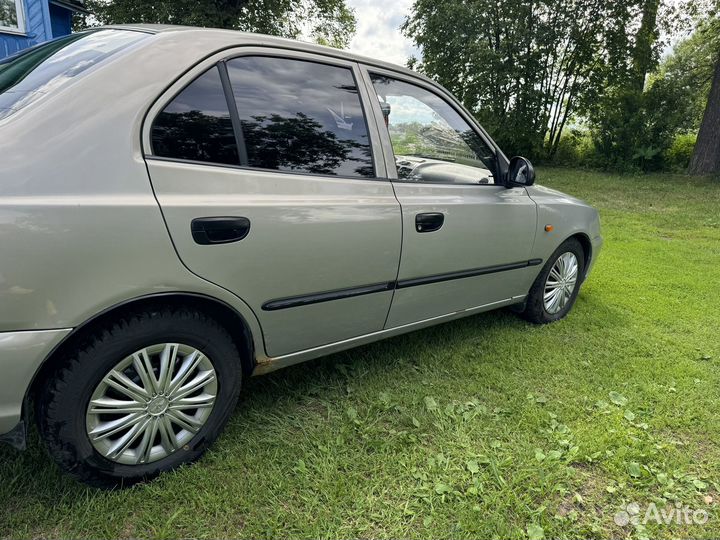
183,208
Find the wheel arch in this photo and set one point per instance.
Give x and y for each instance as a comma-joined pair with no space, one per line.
586,245
225,314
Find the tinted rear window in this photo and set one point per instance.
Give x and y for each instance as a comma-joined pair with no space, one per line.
40,70
196,124
301,116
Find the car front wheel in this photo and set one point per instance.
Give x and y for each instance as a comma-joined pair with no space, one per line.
142,396
554,291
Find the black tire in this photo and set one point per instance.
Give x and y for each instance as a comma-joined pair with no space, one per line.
535,311
63,402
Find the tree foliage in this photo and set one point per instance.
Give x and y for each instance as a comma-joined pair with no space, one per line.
329,22
641,108
684,76
522,66
529,69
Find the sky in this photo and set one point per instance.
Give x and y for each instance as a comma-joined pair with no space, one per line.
378,30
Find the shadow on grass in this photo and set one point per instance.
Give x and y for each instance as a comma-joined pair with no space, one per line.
31,477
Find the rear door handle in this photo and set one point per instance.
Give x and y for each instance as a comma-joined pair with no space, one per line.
219,230
429,222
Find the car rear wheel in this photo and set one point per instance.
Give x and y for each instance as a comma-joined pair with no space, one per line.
555,289
142,396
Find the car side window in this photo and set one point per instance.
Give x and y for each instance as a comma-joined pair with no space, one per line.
196,124
300,116
431,141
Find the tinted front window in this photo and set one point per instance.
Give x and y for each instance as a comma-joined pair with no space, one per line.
41,70
196,124
300,116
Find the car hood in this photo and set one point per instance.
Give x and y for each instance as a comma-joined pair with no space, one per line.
538,193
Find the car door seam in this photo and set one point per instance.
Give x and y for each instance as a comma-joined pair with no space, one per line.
182,262
402,241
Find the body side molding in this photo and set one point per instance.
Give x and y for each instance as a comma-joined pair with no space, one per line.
349,292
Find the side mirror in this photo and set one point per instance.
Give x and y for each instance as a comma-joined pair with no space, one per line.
520,173
385,108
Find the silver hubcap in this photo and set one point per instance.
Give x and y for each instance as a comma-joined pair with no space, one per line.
151,403
560,283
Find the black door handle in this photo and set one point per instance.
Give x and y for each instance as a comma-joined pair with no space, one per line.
219,230
429,222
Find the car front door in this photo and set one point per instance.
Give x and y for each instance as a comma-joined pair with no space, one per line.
272,187
467,238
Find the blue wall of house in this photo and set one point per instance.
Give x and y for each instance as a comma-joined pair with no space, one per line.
60,21
43,21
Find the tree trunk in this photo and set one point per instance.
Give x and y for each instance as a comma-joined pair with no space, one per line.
706,156
642,56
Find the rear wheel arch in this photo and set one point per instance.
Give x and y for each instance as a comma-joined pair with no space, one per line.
220,311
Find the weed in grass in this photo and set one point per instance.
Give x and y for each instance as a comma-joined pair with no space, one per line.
483,427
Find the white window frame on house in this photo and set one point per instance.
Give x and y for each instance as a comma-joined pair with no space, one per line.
20,28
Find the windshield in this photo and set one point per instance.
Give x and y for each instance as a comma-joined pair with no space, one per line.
40,70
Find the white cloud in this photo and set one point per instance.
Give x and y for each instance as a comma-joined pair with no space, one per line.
378,30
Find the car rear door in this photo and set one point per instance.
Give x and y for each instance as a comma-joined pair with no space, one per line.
467,239
272,184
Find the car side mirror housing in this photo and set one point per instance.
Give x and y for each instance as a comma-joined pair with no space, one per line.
520,173
385,108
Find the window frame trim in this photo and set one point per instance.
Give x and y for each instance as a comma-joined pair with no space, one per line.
266,171
368,70
234,115
21,28
225,55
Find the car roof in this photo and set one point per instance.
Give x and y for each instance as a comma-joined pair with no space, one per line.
223,38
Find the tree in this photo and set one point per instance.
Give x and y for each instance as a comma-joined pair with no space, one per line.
684,77
644,54
522,66
640,111
622,116
330,22
706,156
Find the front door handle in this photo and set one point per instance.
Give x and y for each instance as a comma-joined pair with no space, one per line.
429,222
219,230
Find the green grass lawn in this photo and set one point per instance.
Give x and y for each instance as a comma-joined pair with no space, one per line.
483,427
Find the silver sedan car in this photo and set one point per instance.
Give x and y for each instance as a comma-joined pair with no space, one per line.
181,208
